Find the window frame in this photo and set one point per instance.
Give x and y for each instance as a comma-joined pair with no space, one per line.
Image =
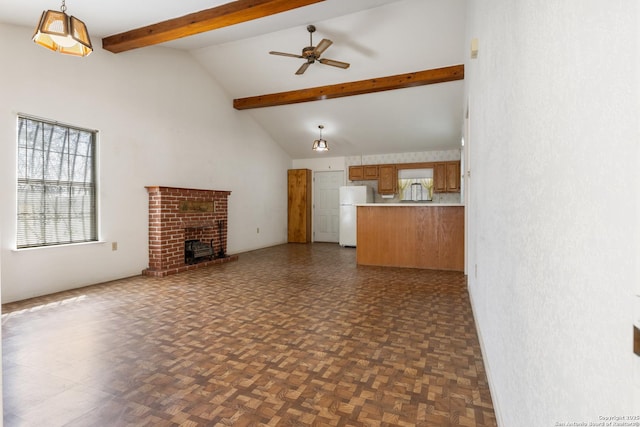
79,205
404,186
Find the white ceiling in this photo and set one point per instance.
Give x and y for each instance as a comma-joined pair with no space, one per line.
377,37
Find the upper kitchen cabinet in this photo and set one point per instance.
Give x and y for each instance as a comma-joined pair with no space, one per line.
387,179
446,177
453,177
356,173
363,173
370,172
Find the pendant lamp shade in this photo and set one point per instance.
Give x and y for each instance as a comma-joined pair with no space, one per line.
62,33
320,144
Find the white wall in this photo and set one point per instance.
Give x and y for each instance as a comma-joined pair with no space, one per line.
554,158
321,164
162,120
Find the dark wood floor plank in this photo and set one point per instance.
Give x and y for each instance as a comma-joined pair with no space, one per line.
290,335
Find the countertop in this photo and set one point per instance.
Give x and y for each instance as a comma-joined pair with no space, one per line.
409,205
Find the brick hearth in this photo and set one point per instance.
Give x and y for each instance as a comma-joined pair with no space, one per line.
178,214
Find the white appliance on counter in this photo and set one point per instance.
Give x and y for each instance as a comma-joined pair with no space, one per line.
350,196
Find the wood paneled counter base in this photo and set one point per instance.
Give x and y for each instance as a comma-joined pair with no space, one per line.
429,237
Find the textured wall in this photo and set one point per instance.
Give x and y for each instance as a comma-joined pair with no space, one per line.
553,144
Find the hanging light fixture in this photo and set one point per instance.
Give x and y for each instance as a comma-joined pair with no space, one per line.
320,144
63,33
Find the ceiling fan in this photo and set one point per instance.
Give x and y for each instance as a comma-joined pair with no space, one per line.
312,54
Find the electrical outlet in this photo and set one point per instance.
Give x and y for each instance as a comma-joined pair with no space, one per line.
475,273
258,230
114,246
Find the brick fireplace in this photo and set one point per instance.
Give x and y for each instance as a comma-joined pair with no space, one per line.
180,214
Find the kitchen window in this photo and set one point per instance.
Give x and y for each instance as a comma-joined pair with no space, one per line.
416,189
56,201
415,184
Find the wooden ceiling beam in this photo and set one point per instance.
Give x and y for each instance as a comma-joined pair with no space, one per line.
225,15
400,81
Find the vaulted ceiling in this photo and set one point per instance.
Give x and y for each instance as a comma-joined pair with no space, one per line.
379,38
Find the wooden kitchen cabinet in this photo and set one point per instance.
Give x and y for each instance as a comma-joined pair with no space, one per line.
299,205
356,173
446,177
387,179
452,172
439,178
370,172
363,173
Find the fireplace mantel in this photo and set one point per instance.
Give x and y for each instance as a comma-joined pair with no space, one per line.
197,225
180,214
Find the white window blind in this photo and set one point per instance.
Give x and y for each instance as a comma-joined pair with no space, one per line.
56,184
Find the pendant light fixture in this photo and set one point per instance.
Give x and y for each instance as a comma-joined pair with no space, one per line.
63,33
320,144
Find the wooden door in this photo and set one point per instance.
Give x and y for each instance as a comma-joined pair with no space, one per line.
299,205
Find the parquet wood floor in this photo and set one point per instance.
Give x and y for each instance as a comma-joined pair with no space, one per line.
293,335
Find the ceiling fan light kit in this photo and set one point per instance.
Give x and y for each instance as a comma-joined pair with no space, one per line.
311,53
63,33
320,144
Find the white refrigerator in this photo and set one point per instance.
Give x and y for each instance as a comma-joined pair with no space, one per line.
350,196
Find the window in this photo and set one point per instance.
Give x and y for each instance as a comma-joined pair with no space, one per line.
415,184
416,189
56,184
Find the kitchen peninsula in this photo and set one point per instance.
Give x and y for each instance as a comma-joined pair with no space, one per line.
414,235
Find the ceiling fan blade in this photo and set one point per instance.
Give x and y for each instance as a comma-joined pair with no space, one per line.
303,68
286,54
333,63
322,46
